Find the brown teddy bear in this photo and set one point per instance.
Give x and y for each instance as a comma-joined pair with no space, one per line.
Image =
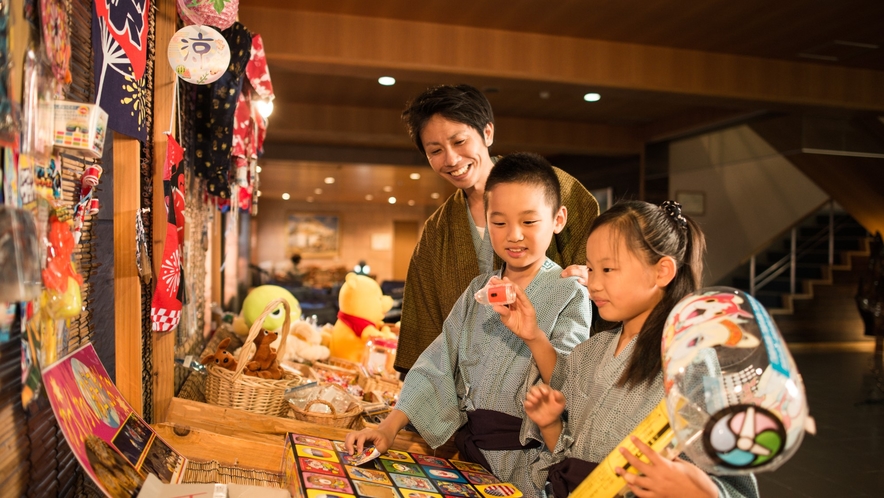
222,357
263,363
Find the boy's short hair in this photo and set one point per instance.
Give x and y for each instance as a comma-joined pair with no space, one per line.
460,103
530,169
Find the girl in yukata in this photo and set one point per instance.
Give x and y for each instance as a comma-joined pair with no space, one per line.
641,260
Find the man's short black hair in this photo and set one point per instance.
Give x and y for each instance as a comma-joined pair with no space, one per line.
529,169
460,103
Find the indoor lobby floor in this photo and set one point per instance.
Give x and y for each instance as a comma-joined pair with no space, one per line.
846,456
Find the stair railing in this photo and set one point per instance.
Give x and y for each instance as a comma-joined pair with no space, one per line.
790,261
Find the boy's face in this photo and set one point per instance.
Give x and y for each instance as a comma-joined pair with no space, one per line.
457,152
521,224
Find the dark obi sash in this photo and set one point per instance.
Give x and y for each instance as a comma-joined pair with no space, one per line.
566,475
489,430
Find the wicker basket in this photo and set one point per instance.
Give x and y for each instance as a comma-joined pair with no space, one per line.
339,420
253,394
346,370
378,383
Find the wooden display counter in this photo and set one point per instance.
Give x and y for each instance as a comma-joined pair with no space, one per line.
205,432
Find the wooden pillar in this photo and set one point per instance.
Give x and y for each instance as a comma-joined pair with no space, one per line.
642,172
164,79
127,283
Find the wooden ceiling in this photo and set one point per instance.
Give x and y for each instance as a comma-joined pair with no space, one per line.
664,68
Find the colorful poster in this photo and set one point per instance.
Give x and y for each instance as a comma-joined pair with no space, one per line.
115,447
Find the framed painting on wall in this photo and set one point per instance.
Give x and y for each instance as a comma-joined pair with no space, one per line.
313,235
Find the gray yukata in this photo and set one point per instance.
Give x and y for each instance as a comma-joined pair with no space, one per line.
478,363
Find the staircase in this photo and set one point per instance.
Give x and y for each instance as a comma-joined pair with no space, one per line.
822,309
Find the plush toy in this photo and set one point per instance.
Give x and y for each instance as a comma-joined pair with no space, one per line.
264,363
254,304
222,357
362,306
304,344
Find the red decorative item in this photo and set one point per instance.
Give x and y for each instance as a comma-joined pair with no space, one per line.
165,310
218,13
58,259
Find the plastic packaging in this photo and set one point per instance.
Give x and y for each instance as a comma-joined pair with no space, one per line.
379,356
20,278
496,294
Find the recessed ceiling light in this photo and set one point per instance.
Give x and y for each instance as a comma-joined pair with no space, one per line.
415,176
592,97
259,193
369,197
317,191
544,94
392,200
257,169
434,195
310,199
286,196
411,202
387,80
388,189
329,180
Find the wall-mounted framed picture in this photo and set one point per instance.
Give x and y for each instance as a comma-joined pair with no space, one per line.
313,235
692,202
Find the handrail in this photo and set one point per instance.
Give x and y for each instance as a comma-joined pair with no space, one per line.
756,282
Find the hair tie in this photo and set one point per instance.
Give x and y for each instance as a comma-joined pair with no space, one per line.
673,209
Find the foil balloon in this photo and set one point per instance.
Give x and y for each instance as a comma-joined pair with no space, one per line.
735,399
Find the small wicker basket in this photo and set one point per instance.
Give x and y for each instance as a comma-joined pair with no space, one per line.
346,370
379,383
232,389
334,419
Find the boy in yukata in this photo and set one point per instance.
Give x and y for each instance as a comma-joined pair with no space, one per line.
469,383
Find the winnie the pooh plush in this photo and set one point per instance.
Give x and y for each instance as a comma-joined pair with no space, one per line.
362,307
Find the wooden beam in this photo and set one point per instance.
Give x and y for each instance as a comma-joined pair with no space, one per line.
127,282
233,422
203,445
389,44
163,343
341,125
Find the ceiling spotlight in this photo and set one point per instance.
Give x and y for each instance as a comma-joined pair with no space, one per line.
387,80
317,191
415,176
544,95
388,189
329,180
310,199
286,196
369,197
257,169
411,202
392,200
258,193
265,108
434,195
592,97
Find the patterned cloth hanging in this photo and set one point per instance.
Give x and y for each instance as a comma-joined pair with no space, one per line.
215,108
119,42
56,39
165,310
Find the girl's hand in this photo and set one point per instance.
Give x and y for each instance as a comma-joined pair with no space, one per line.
519,316
661,477
578,271
544,405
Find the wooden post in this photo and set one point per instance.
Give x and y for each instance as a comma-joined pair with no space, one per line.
127,283
164,79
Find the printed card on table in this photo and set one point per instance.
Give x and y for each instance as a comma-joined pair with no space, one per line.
315,467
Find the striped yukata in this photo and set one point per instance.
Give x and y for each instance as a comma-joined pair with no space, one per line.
599,413
479,364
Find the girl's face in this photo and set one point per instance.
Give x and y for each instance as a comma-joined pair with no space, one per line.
521,224
624,287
